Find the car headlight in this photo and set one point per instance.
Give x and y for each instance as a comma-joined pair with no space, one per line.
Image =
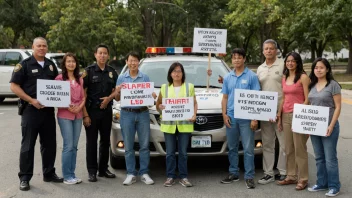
116,116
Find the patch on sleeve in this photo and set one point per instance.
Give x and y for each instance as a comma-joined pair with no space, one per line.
17,68
84,74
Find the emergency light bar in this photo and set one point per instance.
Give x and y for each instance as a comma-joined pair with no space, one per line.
168,50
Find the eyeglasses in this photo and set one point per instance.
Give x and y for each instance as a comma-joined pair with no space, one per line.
177,71
290,61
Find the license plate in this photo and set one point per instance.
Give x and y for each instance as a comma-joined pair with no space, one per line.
201,141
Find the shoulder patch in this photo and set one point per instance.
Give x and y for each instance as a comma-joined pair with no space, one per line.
84,74
17,68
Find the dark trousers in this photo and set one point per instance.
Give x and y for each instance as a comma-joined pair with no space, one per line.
101,121
36,122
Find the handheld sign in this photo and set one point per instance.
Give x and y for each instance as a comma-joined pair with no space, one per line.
137,94
255,105
54,93
309,119
206,40
178,109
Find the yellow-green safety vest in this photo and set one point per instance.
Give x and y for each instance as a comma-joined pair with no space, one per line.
183,126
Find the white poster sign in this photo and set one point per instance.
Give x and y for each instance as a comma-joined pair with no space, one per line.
137,94
207,40
309,119
255,105
54,93
178,109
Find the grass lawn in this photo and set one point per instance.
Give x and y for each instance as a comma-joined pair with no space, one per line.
346,86
343,77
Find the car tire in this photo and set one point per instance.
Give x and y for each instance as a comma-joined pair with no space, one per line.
117,162
2,99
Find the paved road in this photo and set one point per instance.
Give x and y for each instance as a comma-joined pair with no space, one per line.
204,173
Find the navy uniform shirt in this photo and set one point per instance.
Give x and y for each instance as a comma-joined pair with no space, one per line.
29,70
99,83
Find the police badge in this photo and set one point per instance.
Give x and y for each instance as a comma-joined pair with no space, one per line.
110,74
51,68
84,74
17,68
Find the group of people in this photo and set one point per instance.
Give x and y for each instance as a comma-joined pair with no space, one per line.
92,97
293,86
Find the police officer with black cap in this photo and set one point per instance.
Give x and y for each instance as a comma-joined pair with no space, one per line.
36,118
99,83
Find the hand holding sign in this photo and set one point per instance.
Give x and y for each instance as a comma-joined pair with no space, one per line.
36,103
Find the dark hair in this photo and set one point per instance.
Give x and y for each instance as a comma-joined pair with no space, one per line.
133,54
171,69
239,51
103,46
314,79
299,68
64,70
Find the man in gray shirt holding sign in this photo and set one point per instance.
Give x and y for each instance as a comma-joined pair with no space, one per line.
270,75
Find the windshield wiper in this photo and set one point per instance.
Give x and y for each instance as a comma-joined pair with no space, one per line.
204,86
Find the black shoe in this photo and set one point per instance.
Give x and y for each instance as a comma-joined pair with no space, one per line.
24,185
266,179
107,174
250,183
229,179
280,177
54,178
92,177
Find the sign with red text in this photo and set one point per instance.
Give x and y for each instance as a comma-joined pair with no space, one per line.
255,105
206,40
54,93
137,94
310,119
178,109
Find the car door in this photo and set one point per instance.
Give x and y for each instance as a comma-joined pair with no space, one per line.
10,59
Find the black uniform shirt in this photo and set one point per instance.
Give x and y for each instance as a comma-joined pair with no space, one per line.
29,70
99,83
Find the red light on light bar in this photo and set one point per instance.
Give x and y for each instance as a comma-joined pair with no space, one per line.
187,50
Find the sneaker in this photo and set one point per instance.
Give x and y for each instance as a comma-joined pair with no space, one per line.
146,179
250,183
229,179
266,179
316,188
130,179
280,177
70,181
169,182
332,193
78,180
184,182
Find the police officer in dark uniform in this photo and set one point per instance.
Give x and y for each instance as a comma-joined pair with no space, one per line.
99,83
36,119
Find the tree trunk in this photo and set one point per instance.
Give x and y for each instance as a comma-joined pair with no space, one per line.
349,66
313,49
147,25
15,40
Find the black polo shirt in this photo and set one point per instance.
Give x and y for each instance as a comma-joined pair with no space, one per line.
29,70
99,83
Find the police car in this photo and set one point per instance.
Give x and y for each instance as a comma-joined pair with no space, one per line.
209,126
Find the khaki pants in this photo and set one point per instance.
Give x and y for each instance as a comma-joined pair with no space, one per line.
269,133
296,150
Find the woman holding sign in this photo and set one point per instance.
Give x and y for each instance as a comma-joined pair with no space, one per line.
177,88
295,90
70,119
325,91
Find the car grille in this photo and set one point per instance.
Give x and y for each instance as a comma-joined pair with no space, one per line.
136,146
215,147
213,121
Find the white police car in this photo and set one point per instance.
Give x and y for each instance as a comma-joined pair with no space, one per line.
209,124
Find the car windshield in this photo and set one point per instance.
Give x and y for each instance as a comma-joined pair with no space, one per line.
57,60
196,72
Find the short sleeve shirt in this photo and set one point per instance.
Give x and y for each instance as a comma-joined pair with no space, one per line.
270,78
325,97
247,80
126,78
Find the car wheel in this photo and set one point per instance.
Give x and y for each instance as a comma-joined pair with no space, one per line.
117,162
2,99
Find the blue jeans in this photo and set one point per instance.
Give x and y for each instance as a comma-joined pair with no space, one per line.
182,144
130,123
241,127
326,159
70,131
